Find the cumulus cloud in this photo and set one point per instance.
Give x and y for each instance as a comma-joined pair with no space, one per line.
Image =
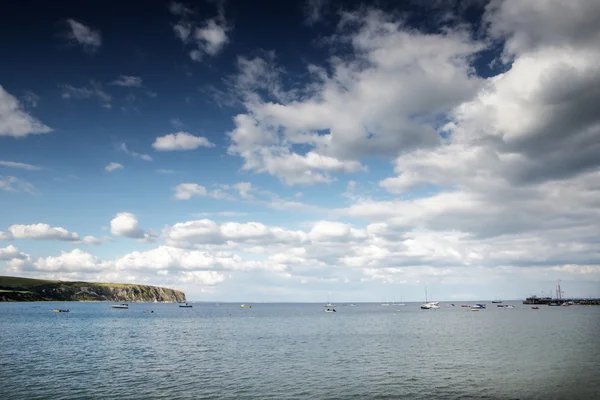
89,39
42,232
5,236
381,100
126,225
14,121
207,38
94,241
337,253
113,166
180,141
10,253
185,191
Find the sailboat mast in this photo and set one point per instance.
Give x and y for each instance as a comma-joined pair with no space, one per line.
425,293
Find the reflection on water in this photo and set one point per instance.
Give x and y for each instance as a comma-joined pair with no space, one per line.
292,351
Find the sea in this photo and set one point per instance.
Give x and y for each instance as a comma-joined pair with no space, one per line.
298,351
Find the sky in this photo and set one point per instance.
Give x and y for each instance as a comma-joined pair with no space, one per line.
313,150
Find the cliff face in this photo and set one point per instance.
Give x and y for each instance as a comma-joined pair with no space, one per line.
22,289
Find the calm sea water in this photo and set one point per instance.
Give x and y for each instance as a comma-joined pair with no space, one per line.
297,351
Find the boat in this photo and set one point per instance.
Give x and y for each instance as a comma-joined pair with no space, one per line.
149,311
245,306
558,301
509,306
535,308
352,305
123,306
330,310
59,310
474,309
497,301
429,305
186,305
478,306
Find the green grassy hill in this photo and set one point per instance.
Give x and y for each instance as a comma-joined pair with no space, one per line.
26,289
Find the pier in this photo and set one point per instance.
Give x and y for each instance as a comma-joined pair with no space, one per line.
549,300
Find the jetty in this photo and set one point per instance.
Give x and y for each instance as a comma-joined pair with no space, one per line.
550,300
559,300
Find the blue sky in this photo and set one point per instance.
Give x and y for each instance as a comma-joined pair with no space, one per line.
286,151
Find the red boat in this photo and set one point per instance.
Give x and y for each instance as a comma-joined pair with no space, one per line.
535,308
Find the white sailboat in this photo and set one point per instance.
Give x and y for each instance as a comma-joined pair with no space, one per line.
429,305
329,304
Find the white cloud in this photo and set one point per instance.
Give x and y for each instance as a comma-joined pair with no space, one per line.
221,214
42,232
165,171
91,240
13,184
113,166
327,231
10,253
124,149
127,81
126,225
13,164
381,100
92,90
186,191
210,39
14,121
5,236
207,38
85,36
180,141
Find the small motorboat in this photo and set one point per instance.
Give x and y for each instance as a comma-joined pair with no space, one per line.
478,306
330,310
59,310
149,311
123,306
535,308
186,305
497,301
245,306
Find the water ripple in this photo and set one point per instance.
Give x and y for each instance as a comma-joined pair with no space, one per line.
297,352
